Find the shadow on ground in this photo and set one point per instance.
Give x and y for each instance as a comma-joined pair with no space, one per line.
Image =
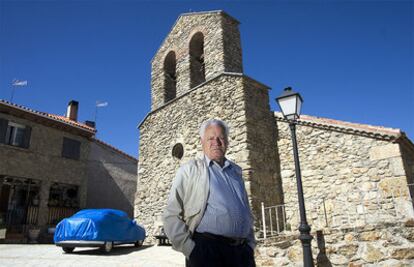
116,251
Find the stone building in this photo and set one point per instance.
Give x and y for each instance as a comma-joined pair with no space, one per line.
196,75
354,175
361,168
358,183
51,166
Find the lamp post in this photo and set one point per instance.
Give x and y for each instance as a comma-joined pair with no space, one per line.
290,104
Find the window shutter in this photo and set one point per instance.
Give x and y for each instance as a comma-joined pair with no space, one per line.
3,129
76,149
71,148
26,138
65,148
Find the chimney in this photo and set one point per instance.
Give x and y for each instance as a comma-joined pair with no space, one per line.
72,112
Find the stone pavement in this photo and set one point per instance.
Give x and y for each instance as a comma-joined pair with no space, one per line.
126,255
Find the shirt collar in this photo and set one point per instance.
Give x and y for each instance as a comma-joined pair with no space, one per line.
210,162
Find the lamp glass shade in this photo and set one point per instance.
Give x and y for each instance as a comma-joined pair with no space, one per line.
290,106
290,103
298,105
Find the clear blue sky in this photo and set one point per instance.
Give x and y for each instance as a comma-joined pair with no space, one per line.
350,60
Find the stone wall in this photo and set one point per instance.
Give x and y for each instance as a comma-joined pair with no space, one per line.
222,50
179,122
362,175
226,94
43,161
368,246
228,97
112,179
45,150
262,174
408,158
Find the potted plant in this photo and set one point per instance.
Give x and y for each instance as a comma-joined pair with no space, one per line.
52,227
33,233
35,200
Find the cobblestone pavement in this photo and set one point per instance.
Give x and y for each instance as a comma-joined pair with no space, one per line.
126,255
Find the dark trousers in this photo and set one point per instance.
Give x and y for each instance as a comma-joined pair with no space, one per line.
216,253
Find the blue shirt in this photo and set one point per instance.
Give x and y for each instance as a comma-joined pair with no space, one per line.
227,212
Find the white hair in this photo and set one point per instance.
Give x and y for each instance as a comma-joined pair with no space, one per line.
217,122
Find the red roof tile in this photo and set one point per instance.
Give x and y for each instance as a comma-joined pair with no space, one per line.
54,117
67,120
350,127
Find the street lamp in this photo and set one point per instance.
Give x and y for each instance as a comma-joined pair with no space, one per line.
290,104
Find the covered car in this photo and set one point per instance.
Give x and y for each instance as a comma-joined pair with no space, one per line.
98,228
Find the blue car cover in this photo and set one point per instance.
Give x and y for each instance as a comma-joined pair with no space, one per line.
99,225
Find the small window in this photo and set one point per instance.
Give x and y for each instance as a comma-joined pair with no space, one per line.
14,134
63,195
178,151
71,148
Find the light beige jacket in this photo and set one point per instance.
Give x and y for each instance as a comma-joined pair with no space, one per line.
186,205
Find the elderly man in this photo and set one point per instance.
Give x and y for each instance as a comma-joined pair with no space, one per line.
208,217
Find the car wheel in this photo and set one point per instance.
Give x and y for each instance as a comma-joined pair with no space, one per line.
107,247
68,249
138,243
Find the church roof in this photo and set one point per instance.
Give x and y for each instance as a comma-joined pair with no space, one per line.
221,12
378,132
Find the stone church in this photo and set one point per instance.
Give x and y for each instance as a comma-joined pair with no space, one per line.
354,175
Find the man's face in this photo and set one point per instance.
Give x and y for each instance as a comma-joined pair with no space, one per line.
214,143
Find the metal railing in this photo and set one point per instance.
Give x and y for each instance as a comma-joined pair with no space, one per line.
57,214
350,210
273,217
19,217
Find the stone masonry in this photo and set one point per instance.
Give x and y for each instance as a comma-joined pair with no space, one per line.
182,118
226,94
382,245
222,50
357,178
346,167
45,150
